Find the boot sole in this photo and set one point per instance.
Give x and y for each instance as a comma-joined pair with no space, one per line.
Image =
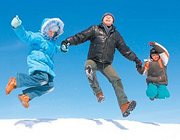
101,99
25,104
10,83
129,109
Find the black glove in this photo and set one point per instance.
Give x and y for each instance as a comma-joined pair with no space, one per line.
138,66
64,43
138,62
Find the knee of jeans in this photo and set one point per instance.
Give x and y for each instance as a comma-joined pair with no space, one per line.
42,83
90,63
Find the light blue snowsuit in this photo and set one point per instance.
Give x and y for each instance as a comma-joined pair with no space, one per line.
40,63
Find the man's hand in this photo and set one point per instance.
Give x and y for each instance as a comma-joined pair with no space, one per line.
138,62
64,46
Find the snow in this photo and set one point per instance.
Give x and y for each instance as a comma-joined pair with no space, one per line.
86,129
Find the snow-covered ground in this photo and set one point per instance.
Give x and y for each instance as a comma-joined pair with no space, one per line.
86,129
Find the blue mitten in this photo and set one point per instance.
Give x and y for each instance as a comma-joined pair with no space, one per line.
16,22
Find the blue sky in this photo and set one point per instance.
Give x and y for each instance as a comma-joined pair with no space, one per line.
138,22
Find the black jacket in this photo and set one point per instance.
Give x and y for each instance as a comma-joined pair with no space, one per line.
102,47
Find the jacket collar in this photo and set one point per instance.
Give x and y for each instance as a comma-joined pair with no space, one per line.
113,27
101,26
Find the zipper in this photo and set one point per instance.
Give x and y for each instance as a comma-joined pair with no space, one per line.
105,46
104,49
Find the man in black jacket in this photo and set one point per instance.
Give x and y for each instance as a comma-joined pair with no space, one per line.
104,39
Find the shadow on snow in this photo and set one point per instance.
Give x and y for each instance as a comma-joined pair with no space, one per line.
117,124
31,123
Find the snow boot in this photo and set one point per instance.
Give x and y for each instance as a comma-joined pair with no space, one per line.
100,97
24,100
11,85
152,99
127,108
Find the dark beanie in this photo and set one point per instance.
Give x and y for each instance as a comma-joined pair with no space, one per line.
153,51
109,15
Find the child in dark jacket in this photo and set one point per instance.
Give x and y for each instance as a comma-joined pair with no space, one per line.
155,69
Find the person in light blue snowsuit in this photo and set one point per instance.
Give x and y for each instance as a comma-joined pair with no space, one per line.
40,59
